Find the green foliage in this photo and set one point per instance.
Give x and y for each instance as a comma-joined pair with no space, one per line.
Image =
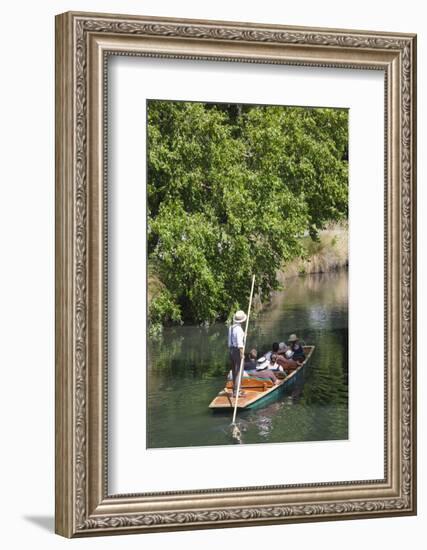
163,308
231,191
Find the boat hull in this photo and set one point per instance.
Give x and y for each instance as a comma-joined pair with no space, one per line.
260,397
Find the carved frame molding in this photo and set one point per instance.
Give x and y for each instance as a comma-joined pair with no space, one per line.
83,43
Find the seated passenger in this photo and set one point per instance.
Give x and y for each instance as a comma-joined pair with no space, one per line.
296,348
282,363
251,361
282,348
277,362
274,349
262,370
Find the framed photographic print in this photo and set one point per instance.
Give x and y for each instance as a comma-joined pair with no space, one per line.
235,274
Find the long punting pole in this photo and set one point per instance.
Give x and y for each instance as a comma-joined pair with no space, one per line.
243,356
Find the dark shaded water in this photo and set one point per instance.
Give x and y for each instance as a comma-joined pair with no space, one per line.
187,368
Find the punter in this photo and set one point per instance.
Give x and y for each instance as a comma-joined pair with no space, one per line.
236,347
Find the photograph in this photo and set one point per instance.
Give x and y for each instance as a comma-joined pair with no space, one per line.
247,273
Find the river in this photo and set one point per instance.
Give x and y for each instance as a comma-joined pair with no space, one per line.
187,368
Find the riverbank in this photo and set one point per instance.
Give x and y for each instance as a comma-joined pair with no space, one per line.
329,253
326,255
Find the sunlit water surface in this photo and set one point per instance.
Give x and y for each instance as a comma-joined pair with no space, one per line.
187,368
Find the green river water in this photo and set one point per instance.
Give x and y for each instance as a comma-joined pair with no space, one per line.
187,368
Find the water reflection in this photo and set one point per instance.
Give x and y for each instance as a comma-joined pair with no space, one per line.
187,367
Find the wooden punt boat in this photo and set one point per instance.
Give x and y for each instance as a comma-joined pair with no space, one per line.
258,392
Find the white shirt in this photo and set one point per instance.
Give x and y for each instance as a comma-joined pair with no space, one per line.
236,336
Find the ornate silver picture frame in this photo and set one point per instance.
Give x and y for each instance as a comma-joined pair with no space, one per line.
84,42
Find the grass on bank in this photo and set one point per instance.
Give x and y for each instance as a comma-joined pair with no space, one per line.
328,253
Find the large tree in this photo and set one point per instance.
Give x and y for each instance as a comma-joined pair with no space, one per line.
231,190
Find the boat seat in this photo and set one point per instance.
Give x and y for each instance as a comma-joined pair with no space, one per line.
252,383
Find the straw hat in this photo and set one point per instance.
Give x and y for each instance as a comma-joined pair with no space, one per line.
293,338
239,317
262,363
